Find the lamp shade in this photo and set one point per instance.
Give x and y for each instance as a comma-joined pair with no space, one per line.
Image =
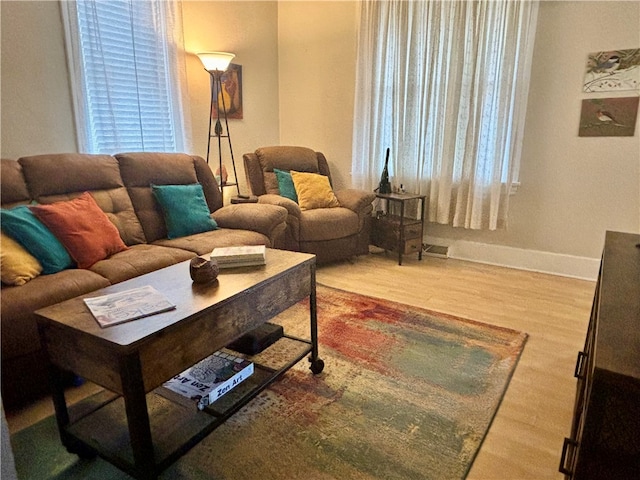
215,60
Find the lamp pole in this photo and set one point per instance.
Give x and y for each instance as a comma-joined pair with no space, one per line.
216,63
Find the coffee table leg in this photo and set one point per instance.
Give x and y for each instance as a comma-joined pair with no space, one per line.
137,416
317,364
59,401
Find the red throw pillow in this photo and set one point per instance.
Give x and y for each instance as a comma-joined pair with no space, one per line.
82,227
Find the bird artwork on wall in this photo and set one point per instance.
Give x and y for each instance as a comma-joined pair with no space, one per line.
608,117
616,70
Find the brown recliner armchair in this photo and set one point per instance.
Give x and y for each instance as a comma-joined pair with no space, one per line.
335,233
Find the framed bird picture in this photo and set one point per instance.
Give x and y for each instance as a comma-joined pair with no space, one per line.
616,70
608,117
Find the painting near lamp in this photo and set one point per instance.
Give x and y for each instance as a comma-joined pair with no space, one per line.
610,71
231,81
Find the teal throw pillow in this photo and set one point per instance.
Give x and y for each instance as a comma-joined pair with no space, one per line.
285,185
25,228
185,209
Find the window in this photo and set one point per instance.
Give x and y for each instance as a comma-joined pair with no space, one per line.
444,84
127,66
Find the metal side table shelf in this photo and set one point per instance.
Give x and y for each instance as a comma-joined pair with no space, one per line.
399,233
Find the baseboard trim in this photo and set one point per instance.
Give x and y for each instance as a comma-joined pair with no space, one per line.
583,268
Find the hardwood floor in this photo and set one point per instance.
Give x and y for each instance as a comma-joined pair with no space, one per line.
526,437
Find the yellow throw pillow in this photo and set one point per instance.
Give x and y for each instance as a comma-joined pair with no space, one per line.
17,266
313,190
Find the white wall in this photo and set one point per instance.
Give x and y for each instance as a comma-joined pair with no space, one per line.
249,30
573,189
298,61
317,47
37,115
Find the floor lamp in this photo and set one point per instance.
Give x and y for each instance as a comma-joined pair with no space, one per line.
216,63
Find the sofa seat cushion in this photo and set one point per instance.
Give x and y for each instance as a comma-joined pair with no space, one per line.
204,243
19,331
82,227
138,260
328,224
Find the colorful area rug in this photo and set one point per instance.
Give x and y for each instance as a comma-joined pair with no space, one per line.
406,393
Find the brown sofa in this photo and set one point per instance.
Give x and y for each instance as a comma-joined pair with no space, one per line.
121,186
335,233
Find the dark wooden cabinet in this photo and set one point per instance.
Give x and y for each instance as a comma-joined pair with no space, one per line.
605,433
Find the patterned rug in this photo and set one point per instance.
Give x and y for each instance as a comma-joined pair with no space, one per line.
406,393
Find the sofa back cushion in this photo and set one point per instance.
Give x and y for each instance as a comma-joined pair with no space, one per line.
82,227
143,169
300,159
13,189
259,166
57,177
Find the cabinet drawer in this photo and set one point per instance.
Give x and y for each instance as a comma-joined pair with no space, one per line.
412,246
412,231
388,227
390,243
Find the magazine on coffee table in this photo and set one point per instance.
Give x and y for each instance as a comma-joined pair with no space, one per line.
127,305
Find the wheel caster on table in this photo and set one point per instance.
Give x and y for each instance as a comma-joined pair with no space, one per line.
316,366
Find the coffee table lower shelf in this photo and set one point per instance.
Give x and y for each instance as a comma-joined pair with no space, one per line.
176,425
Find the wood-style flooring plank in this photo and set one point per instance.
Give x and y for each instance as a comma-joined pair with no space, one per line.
526,436
525,439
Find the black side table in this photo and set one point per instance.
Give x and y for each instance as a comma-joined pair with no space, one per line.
399,233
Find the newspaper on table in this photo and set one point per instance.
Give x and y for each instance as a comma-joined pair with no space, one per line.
127,305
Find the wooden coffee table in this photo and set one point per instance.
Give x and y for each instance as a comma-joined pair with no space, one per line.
128,424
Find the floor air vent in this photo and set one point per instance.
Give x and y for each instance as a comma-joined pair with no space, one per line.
439,251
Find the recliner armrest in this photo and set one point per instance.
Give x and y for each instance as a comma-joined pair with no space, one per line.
355,200
270,220
272,199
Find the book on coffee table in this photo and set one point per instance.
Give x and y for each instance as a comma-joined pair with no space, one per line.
127,305
239,256
211,378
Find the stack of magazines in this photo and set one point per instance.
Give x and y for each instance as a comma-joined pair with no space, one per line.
240,256
208,380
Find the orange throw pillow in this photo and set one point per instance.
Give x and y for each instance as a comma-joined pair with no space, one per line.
82,227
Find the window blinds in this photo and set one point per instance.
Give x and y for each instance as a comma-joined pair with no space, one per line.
126,66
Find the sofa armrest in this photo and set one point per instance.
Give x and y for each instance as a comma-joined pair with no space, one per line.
270,220
356,200
271,199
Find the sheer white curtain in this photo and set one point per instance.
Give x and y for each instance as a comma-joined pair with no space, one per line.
444,84
128,77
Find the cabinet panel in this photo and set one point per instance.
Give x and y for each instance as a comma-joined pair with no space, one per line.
605,433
